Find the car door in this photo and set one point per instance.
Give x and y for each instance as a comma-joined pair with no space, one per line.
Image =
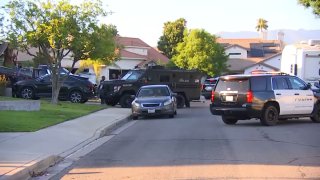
44,86
283,95
303,96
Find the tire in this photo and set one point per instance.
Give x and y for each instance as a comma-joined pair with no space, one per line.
180,101
316,114
27,93
111,103
270,116
171,115
125,101
134,117
229,120
187,103
75,97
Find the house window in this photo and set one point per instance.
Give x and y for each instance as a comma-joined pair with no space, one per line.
234,54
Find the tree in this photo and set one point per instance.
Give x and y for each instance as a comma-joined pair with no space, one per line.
200,51
314,4
58,29
262,25
172,35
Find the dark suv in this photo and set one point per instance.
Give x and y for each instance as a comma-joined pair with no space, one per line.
268,97
74,88
208,86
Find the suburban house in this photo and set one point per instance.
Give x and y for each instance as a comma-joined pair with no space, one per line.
245,56
251,55
134,53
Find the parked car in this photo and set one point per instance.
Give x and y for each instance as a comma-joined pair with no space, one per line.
268,97
208,86
74,88
154,100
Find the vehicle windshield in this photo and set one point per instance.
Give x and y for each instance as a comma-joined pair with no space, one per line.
132,75
152,92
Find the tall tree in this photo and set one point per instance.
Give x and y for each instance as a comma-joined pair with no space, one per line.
57,29
172,35
262,25
314,4
199,50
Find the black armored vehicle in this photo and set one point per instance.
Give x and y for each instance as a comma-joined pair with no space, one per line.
186,83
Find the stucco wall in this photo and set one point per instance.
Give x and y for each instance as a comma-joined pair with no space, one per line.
236,49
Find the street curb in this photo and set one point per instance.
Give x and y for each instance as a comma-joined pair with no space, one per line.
32,168
40,165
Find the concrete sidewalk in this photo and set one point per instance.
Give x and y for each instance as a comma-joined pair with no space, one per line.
25,154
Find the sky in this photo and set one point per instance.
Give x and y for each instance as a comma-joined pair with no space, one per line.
145,19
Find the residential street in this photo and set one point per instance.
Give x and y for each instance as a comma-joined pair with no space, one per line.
198,145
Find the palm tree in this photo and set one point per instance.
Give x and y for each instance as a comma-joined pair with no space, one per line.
262,25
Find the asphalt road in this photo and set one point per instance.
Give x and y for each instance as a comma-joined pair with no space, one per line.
198,145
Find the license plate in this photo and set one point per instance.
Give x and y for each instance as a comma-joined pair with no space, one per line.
150,111
229,98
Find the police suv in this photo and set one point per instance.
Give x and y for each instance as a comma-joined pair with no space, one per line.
268,97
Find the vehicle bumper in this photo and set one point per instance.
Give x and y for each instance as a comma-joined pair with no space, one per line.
154,111
206,94
244,112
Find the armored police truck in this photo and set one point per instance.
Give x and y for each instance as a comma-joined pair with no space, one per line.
186,83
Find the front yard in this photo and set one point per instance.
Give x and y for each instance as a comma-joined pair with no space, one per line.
49,114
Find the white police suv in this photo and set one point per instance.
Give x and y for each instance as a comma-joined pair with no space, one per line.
268,97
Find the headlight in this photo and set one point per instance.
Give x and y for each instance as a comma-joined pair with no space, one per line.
168,102
116,88
134,103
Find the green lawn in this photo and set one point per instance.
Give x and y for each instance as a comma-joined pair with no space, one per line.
49,114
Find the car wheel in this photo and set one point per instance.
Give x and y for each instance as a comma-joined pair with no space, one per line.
229,120
111,103
75,97
27,93
134,117
180,101
270,116
316,114
126,100
171,115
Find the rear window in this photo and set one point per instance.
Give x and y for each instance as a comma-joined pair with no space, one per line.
240,85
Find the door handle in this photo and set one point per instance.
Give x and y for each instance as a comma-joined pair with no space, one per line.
278,94
296,93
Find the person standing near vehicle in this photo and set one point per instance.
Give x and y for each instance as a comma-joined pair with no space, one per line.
103,101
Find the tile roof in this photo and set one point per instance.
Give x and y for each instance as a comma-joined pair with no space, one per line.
244,42
129,41
130,55
239,64
152,54
271,49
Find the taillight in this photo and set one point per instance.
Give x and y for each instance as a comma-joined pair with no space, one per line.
212,96
249,97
